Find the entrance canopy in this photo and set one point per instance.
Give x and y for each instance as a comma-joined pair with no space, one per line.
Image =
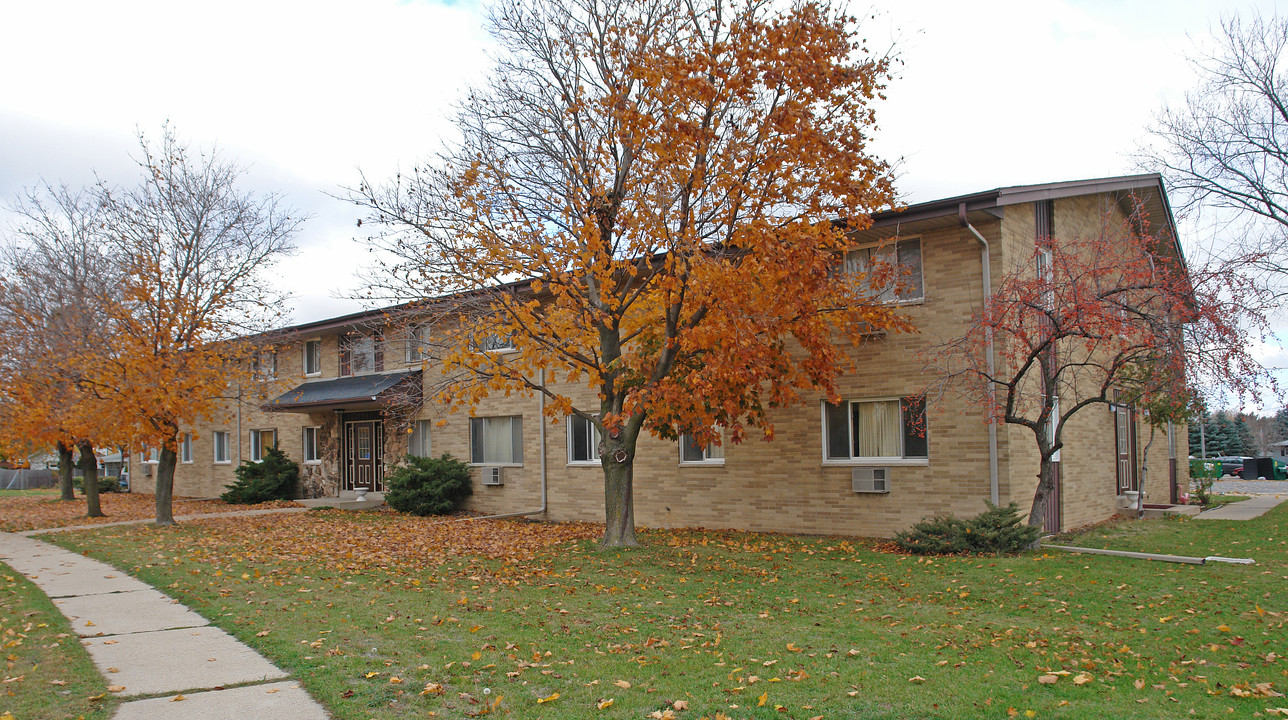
350,393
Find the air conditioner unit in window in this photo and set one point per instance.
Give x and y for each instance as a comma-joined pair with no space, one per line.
491,475
870,480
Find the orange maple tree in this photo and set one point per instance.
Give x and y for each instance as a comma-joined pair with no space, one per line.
53,318
191,247
1114,317
650,199
152,333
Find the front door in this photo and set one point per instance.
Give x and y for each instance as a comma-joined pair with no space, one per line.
363,448
1126,451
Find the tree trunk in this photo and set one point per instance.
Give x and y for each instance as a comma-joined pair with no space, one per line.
66,490
1144,470
89,477
165,485
618,458
1037,512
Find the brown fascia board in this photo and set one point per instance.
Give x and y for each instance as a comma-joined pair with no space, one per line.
991,201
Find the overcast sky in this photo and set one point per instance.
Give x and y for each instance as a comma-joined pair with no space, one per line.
307,92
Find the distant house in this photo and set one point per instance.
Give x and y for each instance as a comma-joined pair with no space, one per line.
327,395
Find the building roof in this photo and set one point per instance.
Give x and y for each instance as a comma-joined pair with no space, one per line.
355,392
974,206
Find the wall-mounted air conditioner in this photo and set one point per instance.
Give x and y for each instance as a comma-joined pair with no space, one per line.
870,480
491,475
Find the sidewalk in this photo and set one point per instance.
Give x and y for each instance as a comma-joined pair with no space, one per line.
1253,507
149,645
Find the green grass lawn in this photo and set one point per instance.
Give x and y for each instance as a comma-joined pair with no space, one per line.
47,674
736,625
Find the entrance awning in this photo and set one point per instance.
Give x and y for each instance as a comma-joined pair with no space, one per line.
350,393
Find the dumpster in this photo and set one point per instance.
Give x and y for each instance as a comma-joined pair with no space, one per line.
1205,468
1263,468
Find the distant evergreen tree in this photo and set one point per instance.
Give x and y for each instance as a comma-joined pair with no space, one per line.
1197,441
1242,444
1222,438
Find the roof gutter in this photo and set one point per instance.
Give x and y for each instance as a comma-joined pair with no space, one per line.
985,259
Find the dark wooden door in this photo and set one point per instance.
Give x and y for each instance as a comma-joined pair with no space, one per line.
1126,452
363,447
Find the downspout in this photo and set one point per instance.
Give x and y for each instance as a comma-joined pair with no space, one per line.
541,434
239,423
985,261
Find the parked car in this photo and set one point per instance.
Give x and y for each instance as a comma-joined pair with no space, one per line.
1232,465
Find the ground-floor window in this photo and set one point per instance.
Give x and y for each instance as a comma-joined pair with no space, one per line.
496,440
261,441
583,441
885,429
185,448
219,439
692,453
310,439
418,443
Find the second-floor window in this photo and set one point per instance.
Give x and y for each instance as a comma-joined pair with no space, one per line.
312,357
360,354
902,258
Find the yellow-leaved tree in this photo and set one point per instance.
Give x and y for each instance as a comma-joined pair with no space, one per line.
649,198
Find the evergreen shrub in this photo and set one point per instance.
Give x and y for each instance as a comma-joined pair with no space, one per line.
428,485
997,531
272,478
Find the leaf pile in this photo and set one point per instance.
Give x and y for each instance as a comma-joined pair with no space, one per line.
35,512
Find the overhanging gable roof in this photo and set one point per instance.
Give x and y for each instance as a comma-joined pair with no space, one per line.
356,391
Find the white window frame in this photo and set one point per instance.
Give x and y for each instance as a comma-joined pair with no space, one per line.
495,344
304,365
852,265
516,440
257,443
709,453
218,442
594,440
312,454
265,365
416,343
185,449
866,461
421,435
152,456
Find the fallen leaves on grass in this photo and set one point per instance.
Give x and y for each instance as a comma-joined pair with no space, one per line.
389,541
19,513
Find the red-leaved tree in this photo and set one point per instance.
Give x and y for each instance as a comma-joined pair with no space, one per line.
1114,317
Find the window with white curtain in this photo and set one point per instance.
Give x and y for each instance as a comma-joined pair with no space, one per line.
886,429
418,443
496,440
185,449
310,441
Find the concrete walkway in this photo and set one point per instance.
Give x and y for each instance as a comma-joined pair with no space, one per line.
1253,507
149,645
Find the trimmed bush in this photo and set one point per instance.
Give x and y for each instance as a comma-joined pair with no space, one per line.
428,486
996,531
273,478
106,484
